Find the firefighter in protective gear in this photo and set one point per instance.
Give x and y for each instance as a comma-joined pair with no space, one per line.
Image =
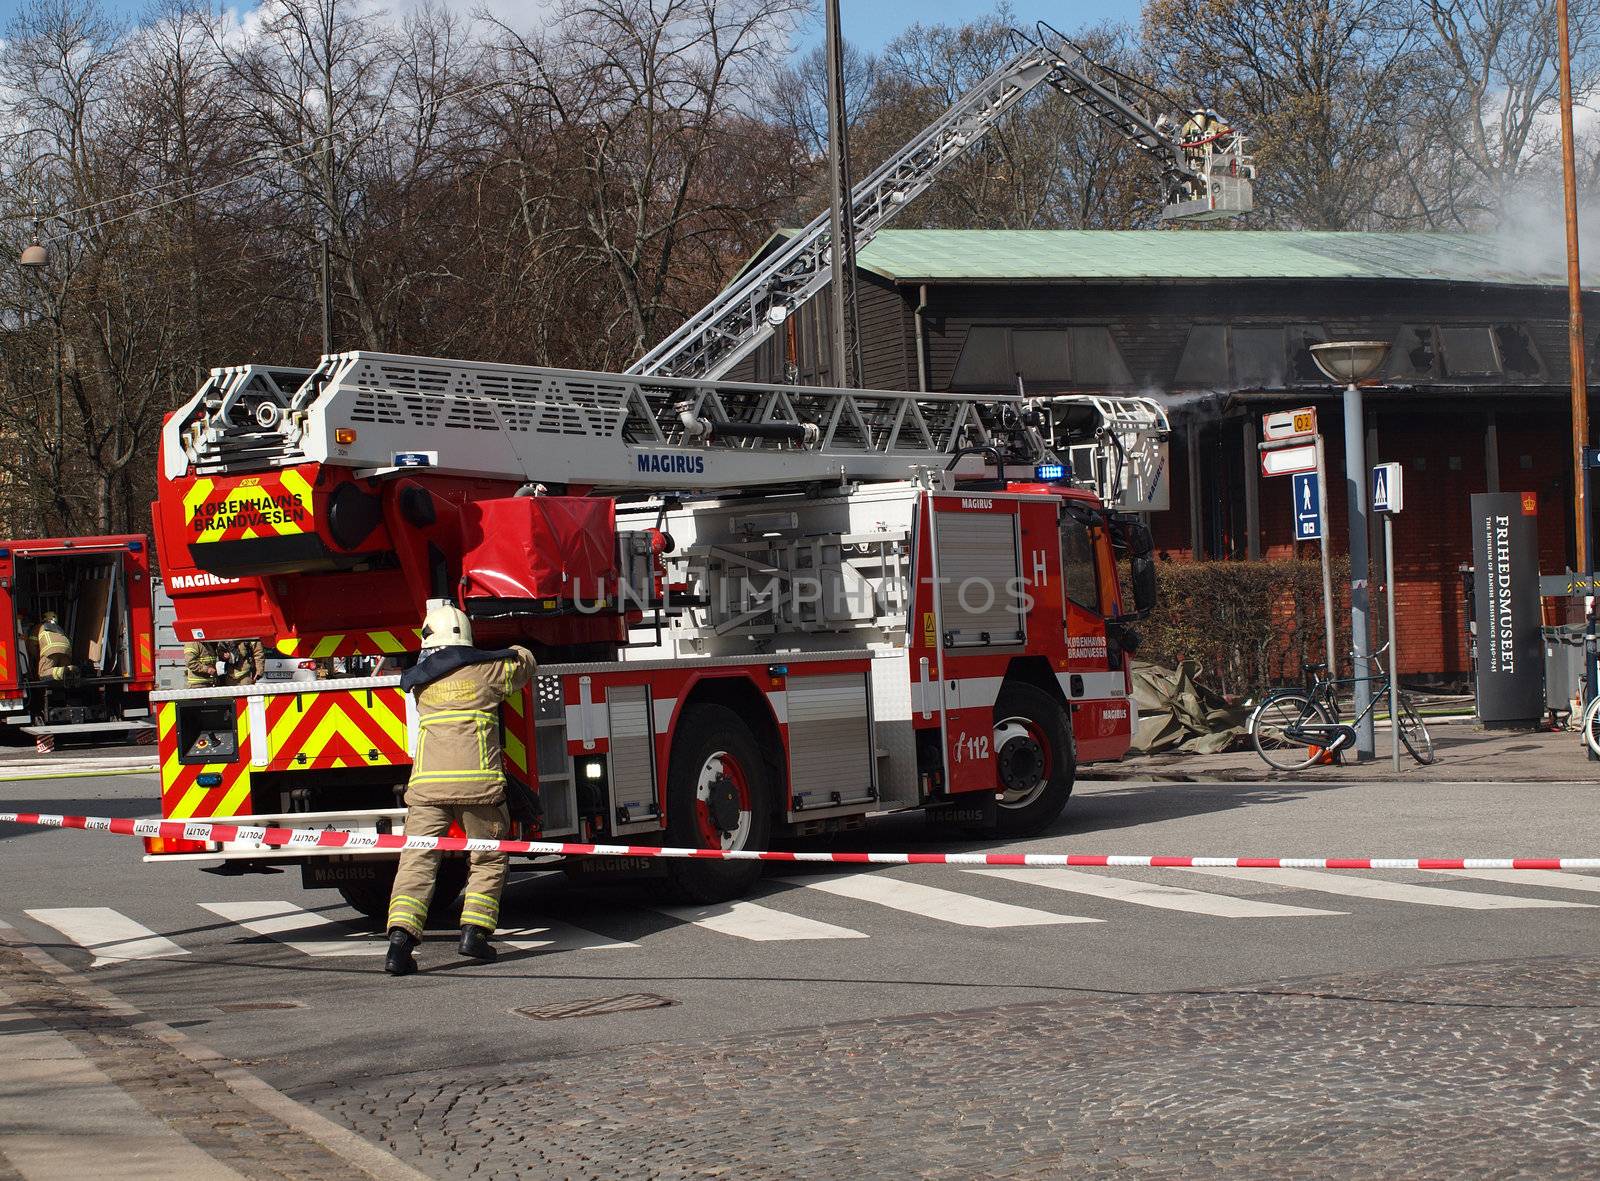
221,663
55,651
456,777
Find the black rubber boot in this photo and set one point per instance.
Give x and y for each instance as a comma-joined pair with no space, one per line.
475,942
400,961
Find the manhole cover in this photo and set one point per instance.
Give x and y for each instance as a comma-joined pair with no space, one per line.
594,1008
256,1006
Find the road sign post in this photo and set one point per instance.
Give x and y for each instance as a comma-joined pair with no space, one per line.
1388,498
1327,567
1292,447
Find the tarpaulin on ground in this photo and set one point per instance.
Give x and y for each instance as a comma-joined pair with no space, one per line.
1177,713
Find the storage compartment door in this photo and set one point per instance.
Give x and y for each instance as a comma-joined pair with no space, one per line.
831,756
979,579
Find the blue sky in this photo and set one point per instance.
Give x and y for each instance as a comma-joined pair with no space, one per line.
871,24
868,23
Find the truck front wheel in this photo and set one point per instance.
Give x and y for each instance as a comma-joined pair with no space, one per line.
718,797
1035,759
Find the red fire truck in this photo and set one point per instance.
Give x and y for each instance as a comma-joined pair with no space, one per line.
98,590
760,611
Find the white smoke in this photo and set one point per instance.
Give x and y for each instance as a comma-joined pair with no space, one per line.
1531,238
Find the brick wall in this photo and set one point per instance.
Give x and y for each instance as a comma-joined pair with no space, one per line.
1441,448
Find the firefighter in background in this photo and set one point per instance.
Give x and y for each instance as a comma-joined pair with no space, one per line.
55,651
221,663
456,777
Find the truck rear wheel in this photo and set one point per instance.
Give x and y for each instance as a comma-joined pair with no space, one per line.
1035,759
371,898
718,797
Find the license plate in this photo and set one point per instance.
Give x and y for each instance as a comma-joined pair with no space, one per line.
331,872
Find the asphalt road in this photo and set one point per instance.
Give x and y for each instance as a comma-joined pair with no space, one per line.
817,948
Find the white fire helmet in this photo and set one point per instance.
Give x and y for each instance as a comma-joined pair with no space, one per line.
445,624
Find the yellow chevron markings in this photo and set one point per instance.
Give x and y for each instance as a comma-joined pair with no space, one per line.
516,752
340,719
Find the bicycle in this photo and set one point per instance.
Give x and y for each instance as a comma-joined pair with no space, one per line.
1590,727
1306,721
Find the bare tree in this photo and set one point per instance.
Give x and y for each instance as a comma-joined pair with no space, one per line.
643,98
318,77
1492,113
1321,86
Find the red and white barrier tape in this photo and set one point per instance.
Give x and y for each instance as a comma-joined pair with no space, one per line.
325,838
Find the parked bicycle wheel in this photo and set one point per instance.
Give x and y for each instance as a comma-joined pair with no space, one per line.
1591,726
1414,734
1273,729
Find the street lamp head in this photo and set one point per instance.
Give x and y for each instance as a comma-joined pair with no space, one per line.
33,256
1350,362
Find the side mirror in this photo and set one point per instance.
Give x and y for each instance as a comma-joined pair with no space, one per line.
1140,548
1144,584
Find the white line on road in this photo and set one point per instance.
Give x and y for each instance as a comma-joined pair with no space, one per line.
1554,879
111,935
278,919
1151,894
759,923
556,937
1380,890
947,906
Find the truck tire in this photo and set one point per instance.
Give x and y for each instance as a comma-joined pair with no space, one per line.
444,910
718,796
1035,759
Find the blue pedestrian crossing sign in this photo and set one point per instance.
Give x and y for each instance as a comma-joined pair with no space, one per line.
1388,488
1307,506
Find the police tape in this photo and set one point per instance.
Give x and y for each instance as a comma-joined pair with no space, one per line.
341,839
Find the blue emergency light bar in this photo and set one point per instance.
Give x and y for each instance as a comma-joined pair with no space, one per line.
1050,472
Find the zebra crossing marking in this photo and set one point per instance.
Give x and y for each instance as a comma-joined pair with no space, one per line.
111,936
557,937
945,906
282,921
1554,879
760,924
1377,889
1152,894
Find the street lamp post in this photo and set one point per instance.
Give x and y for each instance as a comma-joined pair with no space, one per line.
1350,362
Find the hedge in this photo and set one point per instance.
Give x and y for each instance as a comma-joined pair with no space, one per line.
1247,625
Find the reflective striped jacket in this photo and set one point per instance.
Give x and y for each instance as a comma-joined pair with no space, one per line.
458,737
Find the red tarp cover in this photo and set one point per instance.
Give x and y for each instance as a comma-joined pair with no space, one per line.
539,547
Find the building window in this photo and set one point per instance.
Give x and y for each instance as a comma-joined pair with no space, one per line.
1095,358
1250,357
1258,358
1469,352
985,362
1204,363
1413,353
1302,366
1047,358
1041,356
1518,354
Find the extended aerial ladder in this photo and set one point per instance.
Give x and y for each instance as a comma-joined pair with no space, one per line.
1121,451
1203,163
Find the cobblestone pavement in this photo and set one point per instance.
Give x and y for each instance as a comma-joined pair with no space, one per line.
182,1089
1483,1070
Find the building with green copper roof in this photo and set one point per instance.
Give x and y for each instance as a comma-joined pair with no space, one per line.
1217,325
1012,256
